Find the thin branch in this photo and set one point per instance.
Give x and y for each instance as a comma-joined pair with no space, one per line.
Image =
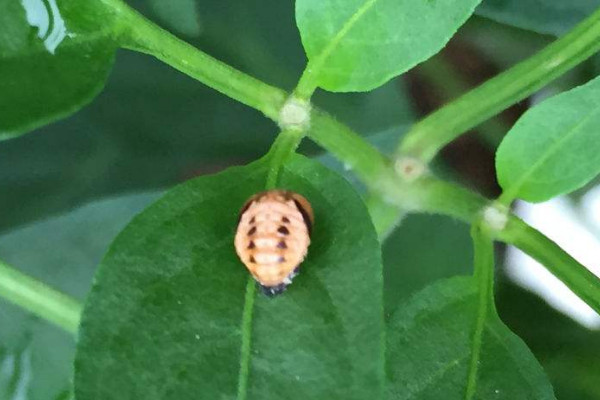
428,136
39,299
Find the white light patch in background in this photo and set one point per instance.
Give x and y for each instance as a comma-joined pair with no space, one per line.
577,233
590,204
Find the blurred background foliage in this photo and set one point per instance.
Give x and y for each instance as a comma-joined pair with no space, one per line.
68,188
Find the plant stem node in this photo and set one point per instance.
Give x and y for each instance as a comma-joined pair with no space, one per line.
495,216
409,168
295,114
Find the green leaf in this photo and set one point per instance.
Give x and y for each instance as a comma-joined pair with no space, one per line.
429,347
568,351
554,148
418,243
36,357
54,58
548,16
357,45
164,318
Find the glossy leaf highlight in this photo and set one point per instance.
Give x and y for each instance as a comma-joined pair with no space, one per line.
54,58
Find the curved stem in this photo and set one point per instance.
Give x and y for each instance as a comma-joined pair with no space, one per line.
142,35
579,279
282,149
429,135
39,299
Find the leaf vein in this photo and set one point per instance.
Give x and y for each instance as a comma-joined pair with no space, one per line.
513,189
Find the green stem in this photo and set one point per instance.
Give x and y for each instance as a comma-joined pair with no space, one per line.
450,84
349,147
144,36
484,275
385,216
39,299
430,194
429,135
282,149
579,279
449,199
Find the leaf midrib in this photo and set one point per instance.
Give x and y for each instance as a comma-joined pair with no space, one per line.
314,68
510,193
246,340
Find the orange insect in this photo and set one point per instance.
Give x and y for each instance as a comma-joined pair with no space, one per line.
272,237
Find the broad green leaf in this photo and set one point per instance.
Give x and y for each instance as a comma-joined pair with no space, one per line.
164,318
35,357
429,346
357,45
568,351
548,16
54,58
554,148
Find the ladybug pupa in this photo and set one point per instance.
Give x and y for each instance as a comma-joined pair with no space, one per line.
272,237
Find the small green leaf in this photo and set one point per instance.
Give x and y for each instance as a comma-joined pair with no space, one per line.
54,58
548,16
164,318
429,348
357,45
554,148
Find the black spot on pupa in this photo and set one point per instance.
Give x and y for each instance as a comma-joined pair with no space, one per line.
252,220
281,245
285,220
252,231
283,230
305,216
251,245
252,260
281,259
